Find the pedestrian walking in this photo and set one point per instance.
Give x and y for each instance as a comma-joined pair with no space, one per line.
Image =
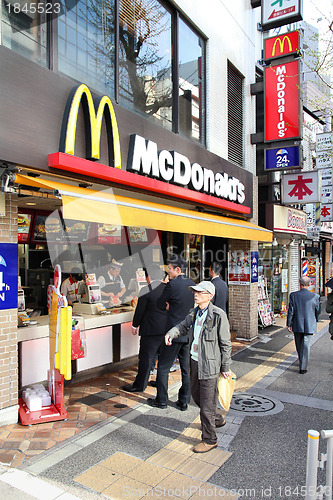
302,318
150,321
208,330
177,299
329,306
221,295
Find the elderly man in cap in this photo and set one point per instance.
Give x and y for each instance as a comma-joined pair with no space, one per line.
210,349
302,318
111,284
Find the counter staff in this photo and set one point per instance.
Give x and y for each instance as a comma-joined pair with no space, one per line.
111,283
70,286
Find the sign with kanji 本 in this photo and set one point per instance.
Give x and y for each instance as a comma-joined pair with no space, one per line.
303,187
326,212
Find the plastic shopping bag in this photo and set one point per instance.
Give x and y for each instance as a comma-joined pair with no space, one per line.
225,390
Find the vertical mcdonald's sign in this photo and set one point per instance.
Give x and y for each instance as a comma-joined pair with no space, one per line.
93,113
282,102
282,45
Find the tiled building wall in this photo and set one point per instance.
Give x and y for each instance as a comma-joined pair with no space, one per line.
243,299
8,326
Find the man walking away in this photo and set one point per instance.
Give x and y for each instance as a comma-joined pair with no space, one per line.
179,300
221,296
302,318
152,322
209,337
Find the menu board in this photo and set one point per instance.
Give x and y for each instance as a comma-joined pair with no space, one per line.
77,230
40,231
109,233
137,234
23,227
54,229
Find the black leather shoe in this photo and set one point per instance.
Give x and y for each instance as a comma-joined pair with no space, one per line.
153,383
181,406
220,423
303,371
131,388
153,402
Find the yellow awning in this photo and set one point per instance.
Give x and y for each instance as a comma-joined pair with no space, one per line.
105,207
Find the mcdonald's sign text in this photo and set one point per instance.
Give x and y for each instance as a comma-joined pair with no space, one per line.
282,45
282,102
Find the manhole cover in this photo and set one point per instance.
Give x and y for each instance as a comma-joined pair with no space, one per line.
253,404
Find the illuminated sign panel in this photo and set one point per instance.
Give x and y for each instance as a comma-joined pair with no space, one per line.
282,102
282,45
282,158
276,13
304,187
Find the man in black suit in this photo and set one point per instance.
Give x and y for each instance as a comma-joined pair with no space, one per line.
221,296
152,322
177,298
303,315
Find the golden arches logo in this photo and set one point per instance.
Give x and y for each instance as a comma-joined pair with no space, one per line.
93,124
281,42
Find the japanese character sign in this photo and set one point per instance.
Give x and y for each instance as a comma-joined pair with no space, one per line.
304,187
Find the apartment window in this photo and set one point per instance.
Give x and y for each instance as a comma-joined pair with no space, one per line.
191,81
235,116
24,30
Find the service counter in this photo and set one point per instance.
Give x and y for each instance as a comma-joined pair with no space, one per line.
108,339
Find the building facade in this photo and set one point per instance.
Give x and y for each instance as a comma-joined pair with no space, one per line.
126,136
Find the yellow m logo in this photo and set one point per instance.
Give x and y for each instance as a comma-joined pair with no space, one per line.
281,42
93,124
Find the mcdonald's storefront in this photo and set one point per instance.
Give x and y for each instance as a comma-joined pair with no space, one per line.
86,181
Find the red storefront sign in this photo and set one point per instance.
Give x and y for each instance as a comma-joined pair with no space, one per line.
282,102
282,45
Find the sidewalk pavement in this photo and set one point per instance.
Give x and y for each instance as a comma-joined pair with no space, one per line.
145,451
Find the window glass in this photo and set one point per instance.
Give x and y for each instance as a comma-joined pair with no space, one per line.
86,44
24,31
191,52
145,83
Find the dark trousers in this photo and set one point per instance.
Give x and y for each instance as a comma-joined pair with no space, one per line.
149,345
165,361
204,394
302,341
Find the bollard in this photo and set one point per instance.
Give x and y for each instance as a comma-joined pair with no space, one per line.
312,465
329,463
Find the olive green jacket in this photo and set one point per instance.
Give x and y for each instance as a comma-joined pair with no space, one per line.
214,346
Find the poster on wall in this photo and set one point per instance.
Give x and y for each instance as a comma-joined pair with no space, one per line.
239,271
109,233
8,275
254,267
23,227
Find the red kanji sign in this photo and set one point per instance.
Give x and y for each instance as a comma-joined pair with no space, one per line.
301,188
326,212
